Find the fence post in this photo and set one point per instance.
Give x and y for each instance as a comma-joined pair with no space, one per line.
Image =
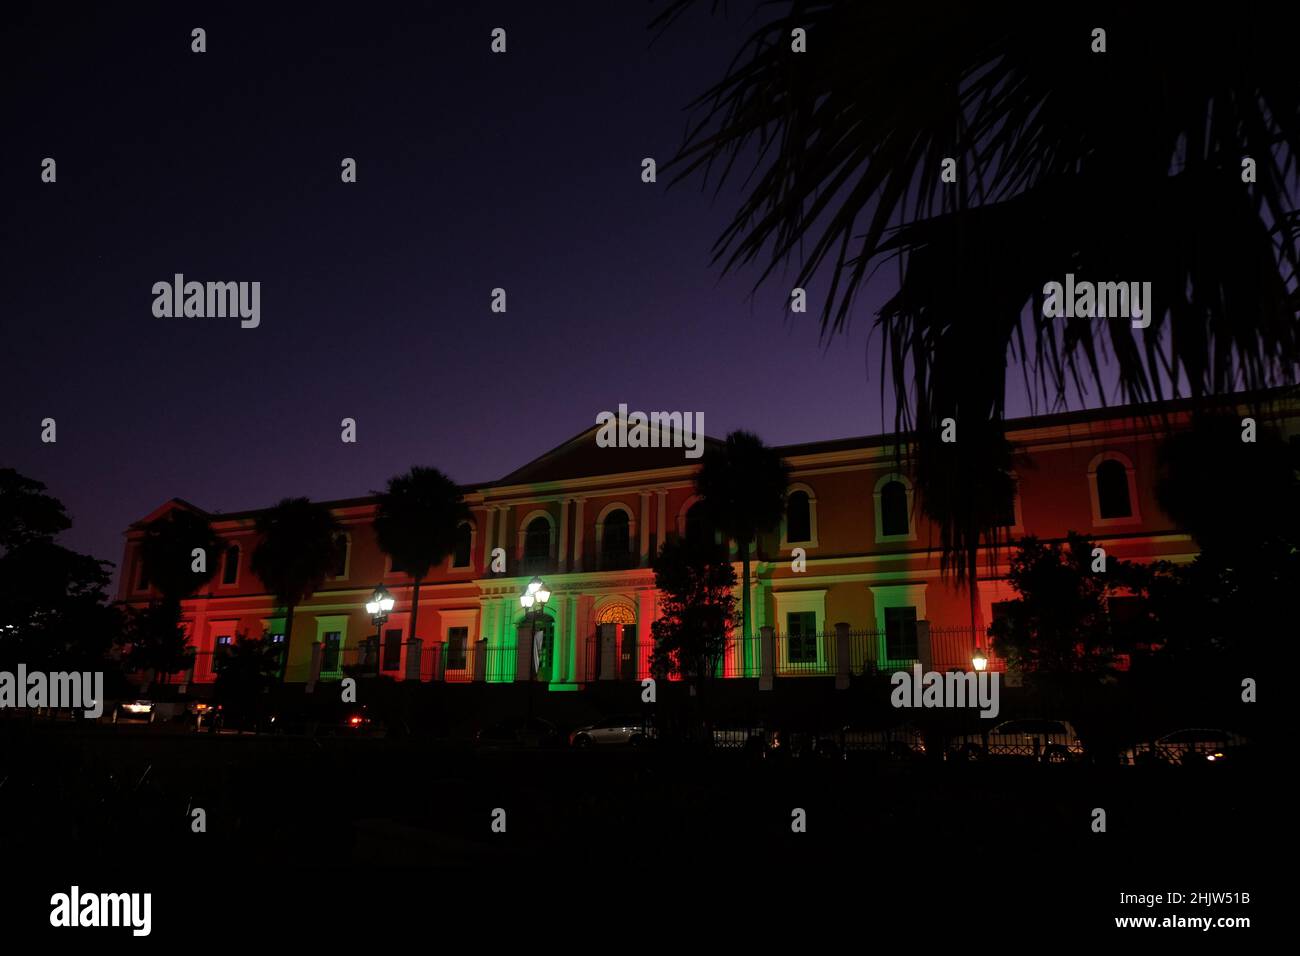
841,656
767,656
413,658
924,651
480,661
313,674
440,661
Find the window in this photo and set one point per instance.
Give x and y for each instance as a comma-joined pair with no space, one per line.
457,641
798,518
894,518
1112,490
1004,507
222,648
460,555
900,633
341,544
392,648
801,633
230,574
616,540
698,529
329,657
141,575
537,540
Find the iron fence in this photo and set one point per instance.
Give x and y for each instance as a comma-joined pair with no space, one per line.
621,654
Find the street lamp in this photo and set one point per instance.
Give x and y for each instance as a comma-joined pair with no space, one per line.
534,601
979,661
380,603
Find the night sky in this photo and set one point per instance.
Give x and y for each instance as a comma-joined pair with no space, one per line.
475,171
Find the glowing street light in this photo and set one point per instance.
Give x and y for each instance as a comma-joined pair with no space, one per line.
380,603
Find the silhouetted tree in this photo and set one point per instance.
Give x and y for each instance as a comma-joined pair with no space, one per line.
296,553
697,604
158,641
245,674
742,486
176,572
416,521
843,151
1059,624
26,512
53,601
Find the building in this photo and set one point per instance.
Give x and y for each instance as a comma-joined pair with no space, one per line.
589,519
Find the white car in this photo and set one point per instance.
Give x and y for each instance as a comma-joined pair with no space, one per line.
1050,741
1192,745
624,730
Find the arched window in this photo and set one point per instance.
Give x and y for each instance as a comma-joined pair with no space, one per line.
698,528
1112,490
798,518
615,538
537,540
460,555
894,517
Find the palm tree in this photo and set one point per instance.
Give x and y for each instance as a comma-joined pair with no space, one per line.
742,485
416,521
167,552
297,550
1115,158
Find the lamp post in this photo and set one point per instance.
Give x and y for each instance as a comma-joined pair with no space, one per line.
533,601
380,603
979,661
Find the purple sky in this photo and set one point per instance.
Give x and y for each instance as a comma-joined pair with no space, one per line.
475,171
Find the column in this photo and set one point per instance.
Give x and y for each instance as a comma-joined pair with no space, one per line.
564,535
645,528
842,659
579,560
767,650
661,520
645,614
503,520
489,512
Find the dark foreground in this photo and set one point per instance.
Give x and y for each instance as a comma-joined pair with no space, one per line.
341,827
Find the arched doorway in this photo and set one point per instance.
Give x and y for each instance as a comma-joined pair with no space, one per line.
616,650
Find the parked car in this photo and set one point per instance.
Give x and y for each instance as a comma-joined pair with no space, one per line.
519,732
1192,745
901,742
1051,741
357,721
204,715
141,710
623,730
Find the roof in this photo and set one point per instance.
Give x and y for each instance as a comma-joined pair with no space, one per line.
581,456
